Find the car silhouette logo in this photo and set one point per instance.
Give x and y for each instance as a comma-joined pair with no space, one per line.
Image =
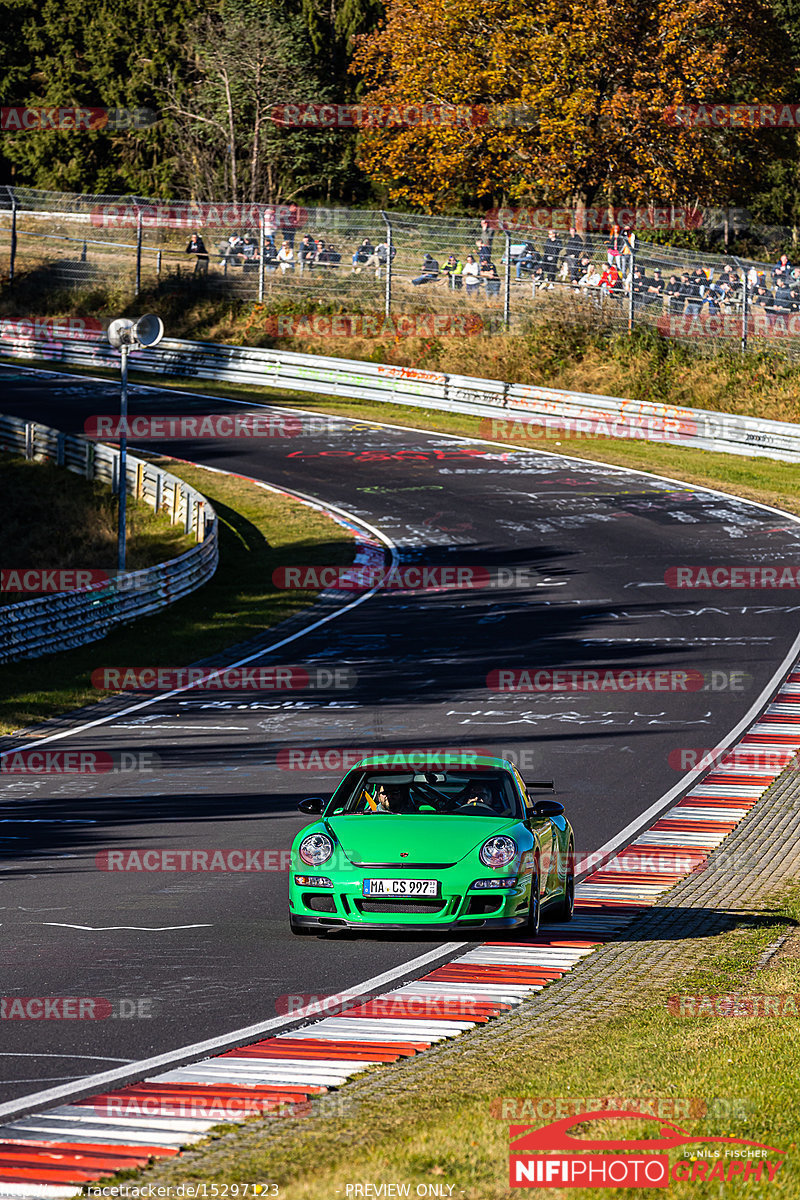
404,854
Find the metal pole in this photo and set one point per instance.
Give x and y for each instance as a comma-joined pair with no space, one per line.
138,251
387,303
630,287
123,461
260,256
13,234
744,313
158,264
507,290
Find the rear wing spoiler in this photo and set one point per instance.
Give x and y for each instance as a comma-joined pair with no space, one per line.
540,785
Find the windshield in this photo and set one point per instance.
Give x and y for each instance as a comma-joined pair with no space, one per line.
459,793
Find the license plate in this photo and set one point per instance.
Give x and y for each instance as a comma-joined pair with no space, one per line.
400,887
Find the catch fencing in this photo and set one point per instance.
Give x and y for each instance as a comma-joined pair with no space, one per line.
131,244
64,620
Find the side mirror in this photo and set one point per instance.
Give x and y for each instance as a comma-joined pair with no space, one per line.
312,805
548,808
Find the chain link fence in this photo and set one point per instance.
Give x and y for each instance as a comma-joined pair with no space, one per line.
402,273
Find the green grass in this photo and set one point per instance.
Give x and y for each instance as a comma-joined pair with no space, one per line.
53,518
259,531
444,1124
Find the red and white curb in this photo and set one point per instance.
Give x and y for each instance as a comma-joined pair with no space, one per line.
54,1153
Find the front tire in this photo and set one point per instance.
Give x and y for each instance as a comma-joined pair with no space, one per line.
531,927
566,906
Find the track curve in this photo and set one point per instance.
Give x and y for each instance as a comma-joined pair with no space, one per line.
212,952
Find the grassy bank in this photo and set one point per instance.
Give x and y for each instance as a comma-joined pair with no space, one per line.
55,519
259,531
447,1126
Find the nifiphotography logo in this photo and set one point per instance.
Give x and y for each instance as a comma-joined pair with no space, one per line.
552,1157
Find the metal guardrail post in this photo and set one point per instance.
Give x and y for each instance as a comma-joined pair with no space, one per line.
630,287
13,256
507,289
122,476
261,241
138,251
387,300
745,314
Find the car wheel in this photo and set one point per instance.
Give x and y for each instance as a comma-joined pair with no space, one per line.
566,905
531,927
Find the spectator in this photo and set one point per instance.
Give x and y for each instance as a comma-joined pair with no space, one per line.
453,269
491,278
614,248
286,257
573,251
639,285
362,254
249,252
655,289
234,247
590,276
610,281
270,228
551,252
471,276
486,235
674,293
430,271
484,253
327,255
762,297
628,247
528,259
290,221
690,292
307,252
379,258
781,272
270,258
197,247
783,295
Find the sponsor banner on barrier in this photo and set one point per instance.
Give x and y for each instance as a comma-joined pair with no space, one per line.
594,220
78,762
734,116
736,1004
221,860
224,679
727,578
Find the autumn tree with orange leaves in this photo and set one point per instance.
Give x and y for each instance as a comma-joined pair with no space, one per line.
597,78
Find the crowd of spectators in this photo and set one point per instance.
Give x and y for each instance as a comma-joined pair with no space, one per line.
603,267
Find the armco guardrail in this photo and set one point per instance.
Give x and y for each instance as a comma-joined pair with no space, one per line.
568,411
68,619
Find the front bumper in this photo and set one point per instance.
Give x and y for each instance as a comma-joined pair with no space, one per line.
458,905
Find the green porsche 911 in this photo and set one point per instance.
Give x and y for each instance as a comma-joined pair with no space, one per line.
399,847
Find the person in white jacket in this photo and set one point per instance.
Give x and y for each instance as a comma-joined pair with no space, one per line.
471,275
286,258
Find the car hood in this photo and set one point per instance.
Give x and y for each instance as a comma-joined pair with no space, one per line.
421,840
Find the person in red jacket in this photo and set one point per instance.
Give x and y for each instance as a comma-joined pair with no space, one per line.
610,280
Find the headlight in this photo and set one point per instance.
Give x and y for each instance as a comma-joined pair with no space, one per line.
315,849
497,851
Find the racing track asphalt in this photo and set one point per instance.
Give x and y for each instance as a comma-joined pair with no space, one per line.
211,952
